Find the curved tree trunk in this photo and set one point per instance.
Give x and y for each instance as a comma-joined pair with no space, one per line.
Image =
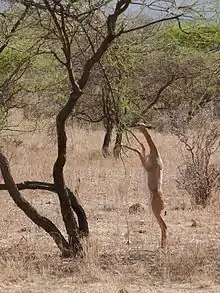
62,32
59,183
30,211
77,208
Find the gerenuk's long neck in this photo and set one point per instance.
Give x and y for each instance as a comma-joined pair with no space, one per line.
150,142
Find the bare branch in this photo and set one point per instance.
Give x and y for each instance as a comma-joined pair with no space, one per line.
13,29
132,149
151,23
160,91
89,118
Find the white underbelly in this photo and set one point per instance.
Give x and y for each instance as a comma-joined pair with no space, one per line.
152,180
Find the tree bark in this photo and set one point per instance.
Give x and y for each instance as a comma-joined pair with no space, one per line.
107,140
118,142
30,211
65,203
77,208
77,90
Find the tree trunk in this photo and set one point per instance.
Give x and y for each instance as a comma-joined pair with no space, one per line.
118,142
77,208
107,140
30,211
65,203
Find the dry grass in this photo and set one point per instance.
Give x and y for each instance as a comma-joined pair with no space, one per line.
30,262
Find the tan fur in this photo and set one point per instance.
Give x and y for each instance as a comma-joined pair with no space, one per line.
153,166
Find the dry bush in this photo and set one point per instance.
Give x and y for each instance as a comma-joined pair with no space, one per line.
199,174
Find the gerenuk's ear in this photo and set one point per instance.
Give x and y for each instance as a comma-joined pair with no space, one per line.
143,125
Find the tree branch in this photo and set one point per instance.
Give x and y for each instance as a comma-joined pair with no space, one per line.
30,211
160,91
89,118
151,23
78,209
13,29
121,6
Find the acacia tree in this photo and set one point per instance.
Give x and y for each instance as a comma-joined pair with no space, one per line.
14,64
119,70
134,84
65,23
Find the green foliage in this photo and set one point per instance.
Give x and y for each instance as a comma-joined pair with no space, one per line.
200,36
191,60
9,59
137,64
121,62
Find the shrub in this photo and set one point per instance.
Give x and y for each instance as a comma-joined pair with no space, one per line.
199,174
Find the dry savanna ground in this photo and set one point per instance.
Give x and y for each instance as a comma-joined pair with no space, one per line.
122,253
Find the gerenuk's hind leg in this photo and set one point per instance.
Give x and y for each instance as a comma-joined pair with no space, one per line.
163,228
157,207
